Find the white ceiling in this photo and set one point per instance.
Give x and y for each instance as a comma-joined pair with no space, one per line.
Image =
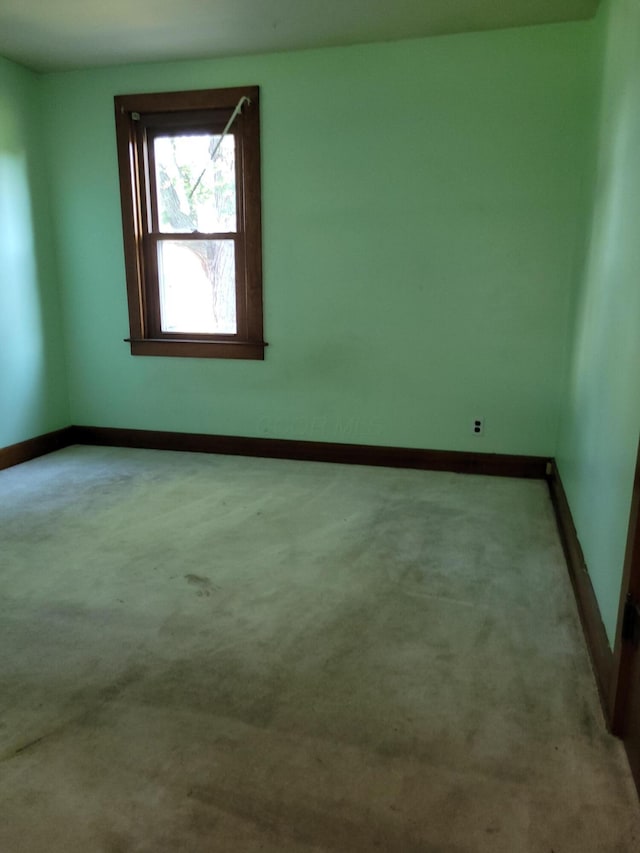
64,34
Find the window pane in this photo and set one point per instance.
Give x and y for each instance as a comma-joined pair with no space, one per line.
197,286
195,192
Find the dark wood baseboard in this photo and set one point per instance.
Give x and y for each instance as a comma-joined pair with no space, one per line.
592,625
625,699
23,451
495,464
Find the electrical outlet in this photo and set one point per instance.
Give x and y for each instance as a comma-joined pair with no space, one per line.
478,426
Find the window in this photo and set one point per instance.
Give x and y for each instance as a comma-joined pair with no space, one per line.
190,190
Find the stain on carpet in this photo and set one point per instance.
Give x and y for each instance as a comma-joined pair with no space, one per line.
203,585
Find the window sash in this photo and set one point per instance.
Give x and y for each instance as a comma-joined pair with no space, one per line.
147,153
152,127
152,309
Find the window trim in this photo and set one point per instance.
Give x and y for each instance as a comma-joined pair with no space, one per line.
142,286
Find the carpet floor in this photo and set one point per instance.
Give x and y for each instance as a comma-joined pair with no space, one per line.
206,653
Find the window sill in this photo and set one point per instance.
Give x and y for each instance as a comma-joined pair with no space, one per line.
176,348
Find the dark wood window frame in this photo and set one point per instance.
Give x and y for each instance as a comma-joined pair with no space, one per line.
137,116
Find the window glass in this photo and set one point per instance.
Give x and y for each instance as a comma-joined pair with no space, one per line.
195,192
197,286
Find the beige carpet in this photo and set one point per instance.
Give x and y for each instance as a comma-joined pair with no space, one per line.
205,653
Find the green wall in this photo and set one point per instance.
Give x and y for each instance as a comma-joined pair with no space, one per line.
601,419
33,394
423,204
